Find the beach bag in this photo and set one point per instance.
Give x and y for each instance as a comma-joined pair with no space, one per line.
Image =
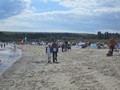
109,53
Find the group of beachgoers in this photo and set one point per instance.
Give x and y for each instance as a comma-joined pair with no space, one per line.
54,48
66,46
2,45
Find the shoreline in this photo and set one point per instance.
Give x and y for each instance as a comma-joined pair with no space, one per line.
8,57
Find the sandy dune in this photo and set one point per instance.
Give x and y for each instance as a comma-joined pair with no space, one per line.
78,69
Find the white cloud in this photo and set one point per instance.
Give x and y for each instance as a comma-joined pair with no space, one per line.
10,8
79,7
44,1
108,10
56,22
78,3
88,7
80,16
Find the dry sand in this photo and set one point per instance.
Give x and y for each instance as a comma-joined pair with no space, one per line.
78,69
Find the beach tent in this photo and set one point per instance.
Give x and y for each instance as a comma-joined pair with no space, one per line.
93,45
80,43
69,43
43,43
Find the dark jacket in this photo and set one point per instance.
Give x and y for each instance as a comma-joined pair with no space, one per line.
54,48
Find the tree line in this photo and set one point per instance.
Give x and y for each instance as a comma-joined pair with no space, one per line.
15,36
107,35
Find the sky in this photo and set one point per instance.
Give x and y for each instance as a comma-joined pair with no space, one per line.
78,16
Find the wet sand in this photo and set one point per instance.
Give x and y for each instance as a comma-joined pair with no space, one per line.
78,69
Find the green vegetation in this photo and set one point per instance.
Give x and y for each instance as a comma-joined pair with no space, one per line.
17,37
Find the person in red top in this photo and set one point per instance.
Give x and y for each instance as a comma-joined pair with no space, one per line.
112,44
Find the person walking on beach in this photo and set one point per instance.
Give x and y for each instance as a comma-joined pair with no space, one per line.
4,45
112,44
54,51
48,51
1,45
14,47
63,47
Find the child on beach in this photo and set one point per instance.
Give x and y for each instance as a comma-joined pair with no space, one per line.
48,51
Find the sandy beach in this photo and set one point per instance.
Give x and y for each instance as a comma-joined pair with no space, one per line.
78,69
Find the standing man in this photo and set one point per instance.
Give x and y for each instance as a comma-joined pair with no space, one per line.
54,51
14,47
63,47
112,44
4,45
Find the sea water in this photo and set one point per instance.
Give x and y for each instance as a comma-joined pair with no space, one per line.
8,56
